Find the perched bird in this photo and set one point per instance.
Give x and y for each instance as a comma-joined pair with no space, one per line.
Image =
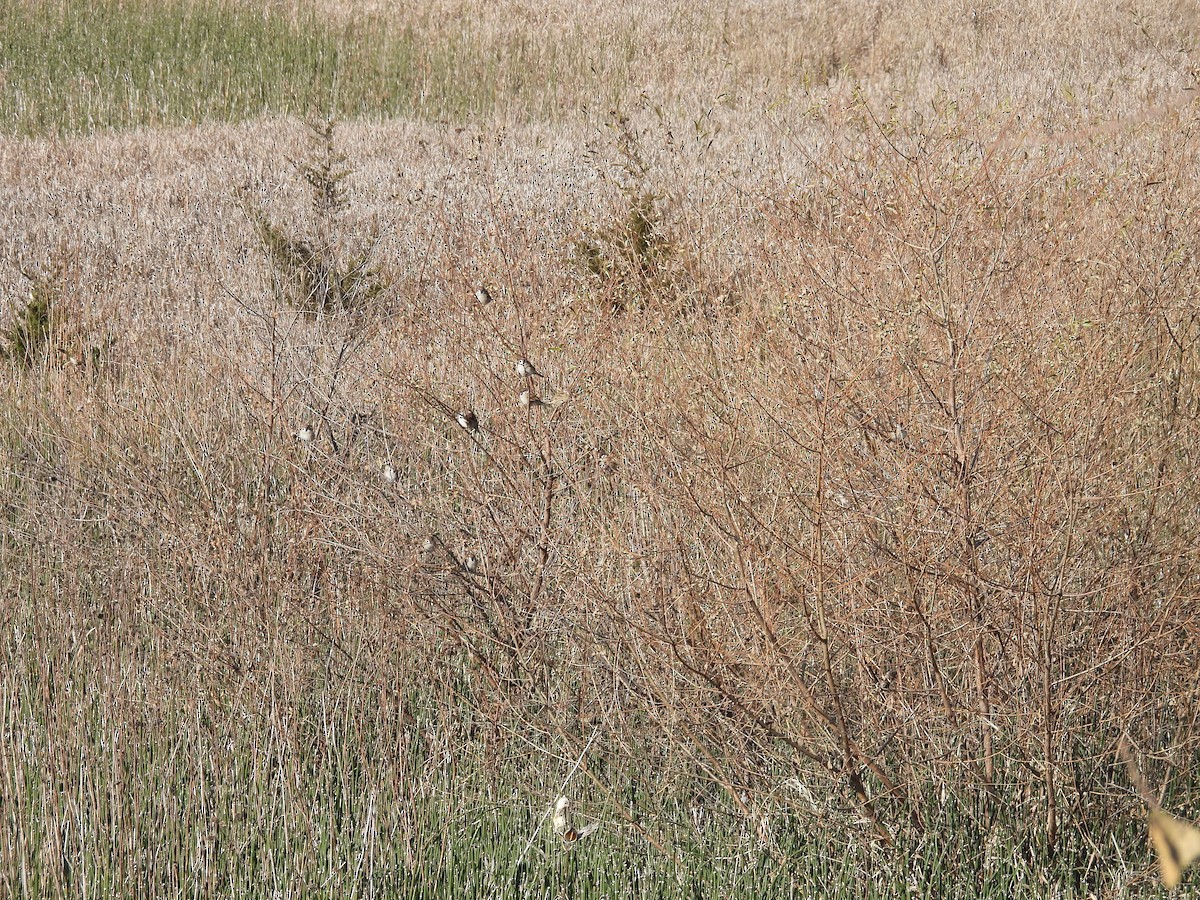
467,420
482,295
564,823
526,370
389,473
528,400
471,563
305,434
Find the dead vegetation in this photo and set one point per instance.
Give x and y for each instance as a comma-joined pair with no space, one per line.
863,479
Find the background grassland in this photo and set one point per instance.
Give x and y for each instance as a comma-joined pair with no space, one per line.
859,524
71,66
75,66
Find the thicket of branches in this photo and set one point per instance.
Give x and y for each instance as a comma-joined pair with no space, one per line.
893,502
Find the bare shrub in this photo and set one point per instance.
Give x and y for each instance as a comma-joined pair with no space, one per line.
905,533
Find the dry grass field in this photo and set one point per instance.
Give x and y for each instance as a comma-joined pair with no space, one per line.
850,521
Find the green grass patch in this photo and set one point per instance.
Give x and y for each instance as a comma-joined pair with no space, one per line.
115,788
78,66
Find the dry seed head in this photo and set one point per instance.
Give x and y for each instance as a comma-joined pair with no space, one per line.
562,816
564,823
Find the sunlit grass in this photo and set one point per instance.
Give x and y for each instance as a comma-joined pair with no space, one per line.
860,526
111,791
78,66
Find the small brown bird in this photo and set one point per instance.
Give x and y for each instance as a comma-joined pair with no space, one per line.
529,400
526,370
467,420
482,295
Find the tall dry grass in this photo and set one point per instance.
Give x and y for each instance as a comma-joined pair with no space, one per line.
868,493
